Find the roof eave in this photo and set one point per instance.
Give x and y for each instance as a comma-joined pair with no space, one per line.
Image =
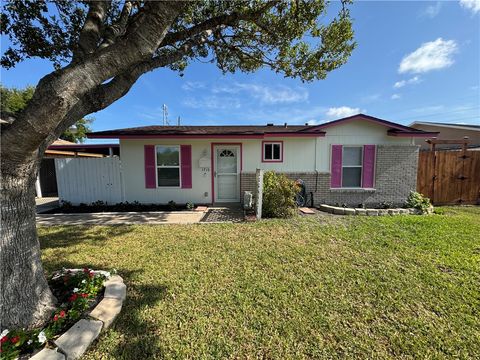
423,134
204,136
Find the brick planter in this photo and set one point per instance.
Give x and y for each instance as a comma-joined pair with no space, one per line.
339,210
76,340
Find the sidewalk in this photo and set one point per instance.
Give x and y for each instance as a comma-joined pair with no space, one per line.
118,218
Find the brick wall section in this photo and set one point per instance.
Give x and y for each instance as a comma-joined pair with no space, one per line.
395,177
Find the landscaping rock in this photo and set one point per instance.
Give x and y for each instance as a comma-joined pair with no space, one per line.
372,212
78,338
393,211
382,212
360,211
107,310
349,211
48,354
115,288
326,208
338,210
403,211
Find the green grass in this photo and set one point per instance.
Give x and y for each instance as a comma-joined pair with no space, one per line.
373,287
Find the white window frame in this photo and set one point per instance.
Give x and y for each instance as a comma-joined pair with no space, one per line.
354,166
170,167
279,143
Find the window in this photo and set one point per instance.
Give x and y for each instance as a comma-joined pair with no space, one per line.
352,167
168,165
272,151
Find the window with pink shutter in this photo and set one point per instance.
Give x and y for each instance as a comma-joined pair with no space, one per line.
149,157
186,166
368,177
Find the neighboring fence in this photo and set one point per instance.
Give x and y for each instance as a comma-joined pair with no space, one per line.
86,180
449,177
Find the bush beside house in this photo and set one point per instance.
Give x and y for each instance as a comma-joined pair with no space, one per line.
278,196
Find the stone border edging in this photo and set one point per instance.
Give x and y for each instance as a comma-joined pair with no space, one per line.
73,343
337,210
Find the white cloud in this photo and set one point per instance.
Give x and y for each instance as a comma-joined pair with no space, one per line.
193,85
472,5
266,94
341,112
432,55
396,96
432,11
402,83
212,102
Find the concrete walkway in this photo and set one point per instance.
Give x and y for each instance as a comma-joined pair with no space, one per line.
46,203
121,218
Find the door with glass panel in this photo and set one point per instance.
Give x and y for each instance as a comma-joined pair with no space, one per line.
226,174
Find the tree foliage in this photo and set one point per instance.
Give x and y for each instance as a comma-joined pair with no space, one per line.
287,36
13,100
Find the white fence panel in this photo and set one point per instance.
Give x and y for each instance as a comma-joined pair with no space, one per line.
81,180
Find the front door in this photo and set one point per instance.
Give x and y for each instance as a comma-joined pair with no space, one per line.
227,173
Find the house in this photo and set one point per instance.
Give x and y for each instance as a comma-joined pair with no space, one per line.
449,131
355,160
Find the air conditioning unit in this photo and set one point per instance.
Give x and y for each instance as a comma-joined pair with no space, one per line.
247,200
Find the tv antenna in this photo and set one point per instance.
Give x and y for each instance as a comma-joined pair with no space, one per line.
165,115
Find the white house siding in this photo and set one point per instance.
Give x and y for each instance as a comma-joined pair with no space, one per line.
300,155
132,152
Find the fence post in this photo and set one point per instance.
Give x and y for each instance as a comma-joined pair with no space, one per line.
259,193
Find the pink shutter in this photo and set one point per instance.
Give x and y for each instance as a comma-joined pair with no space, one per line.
150,178
336,169
186,166
368,166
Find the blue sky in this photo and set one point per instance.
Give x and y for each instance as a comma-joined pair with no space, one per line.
414,61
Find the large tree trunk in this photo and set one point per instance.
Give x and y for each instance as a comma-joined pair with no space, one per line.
60,99
22,277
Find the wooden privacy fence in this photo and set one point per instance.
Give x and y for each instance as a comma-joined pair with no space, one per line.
449,177
86,180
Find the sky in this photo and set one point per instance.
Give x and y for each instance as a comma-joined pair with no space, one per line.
414,61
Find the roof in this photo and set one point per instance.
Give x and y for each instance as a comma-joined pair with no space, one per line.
62,142
253,131
208,131
447,125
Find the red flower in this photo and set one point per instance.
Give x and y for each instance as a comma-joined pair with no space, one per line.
86,270
84,295
62,313
55,318
91,274
3,339
15,339
73,297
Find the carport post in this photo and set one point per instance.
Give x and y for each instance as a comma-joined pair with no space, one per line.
38,188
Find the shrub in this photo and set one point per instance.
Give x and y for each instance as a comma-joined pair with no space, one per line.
418,201
190,205
278,196
172,205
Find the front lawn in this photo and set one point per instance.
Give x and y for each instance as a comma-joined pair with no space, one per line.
359,287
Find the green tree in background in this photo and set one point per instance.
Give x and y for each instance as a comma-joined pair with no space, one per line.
13,100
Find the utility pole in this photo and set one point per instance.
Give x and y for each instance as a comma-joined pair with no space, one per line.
178,121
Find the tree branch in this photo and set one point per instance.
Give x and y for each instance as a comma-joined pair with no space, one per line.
210,24
92,29
117,29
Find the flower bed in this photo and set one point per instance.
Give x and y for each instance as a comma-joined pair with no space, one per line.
100,206
77,291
